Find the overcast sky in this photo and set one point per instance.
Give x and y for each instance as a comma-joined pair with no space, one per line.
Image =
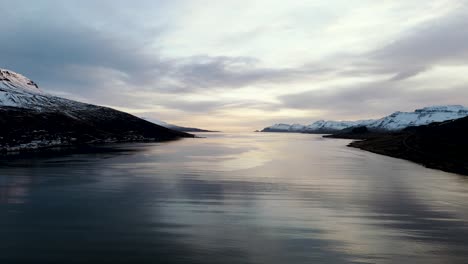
242,65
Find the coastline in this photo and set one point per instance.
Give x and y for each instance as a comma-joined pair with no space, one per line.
412,147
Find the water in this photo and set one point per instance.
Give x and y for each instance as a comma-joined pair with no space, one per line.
231,198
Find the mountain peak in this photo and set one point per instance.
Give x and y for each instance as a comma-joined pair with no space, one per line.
18,91
11,80
394,122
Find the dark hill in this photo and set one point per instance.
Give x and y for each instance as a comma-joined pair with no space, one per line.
24,129
33,119
438,145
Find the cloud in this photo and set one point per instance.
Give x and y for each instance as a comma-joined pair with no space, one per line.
439,41
114,53
72,55
206,72
373,99
442,40
43,49
391,70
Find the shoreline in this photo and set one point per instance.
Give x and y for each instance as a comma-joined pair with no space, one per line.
70,147
407,146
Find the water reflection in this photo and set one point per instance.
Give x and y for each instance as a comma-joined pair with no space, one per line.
227,198
14,190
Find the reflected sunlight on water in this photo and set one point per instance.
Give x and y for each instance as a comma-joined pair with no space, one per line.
231,198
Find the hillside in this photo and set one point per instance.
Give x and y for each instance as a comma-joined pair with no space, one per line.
439,145
32,119
176,127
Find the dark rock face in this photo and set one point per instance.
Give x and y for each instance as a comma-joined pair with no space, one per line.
438,145
359,130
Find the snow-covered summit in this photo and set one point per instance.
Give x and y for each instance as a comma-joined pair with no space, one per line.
18,91
394,122
423,116
325,126
18,82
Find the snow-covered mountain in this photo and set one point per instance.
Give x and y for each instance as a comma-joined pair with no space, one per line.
323,126
285,128
400,120
18,91
320,126
31,118
394,122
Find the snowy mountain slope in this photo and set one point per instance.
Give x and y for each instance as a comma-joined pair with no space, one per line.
13,80
320,126
424,116
18,91
175,127
30,118
331,126
157,122
394,122
284,128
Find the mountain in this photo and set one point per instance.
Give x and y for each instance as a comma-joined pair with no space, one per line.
400,120
439,145
324,127
394,122
176,127
284,128
32,119
319,127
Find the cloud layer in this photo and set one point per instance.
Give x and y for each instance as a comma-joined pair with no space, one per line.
268,66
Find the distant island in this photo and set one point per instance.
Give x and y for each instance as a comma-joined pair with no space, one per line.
31,119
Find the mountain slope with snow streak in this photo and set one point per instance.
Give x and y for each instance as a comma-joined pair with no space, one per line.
32,119
175,127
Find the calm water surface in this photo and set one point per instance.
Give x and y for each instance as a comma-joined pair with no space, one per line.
231,198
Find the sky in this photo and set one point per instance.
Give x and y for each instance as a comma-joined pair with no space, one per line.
242,65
